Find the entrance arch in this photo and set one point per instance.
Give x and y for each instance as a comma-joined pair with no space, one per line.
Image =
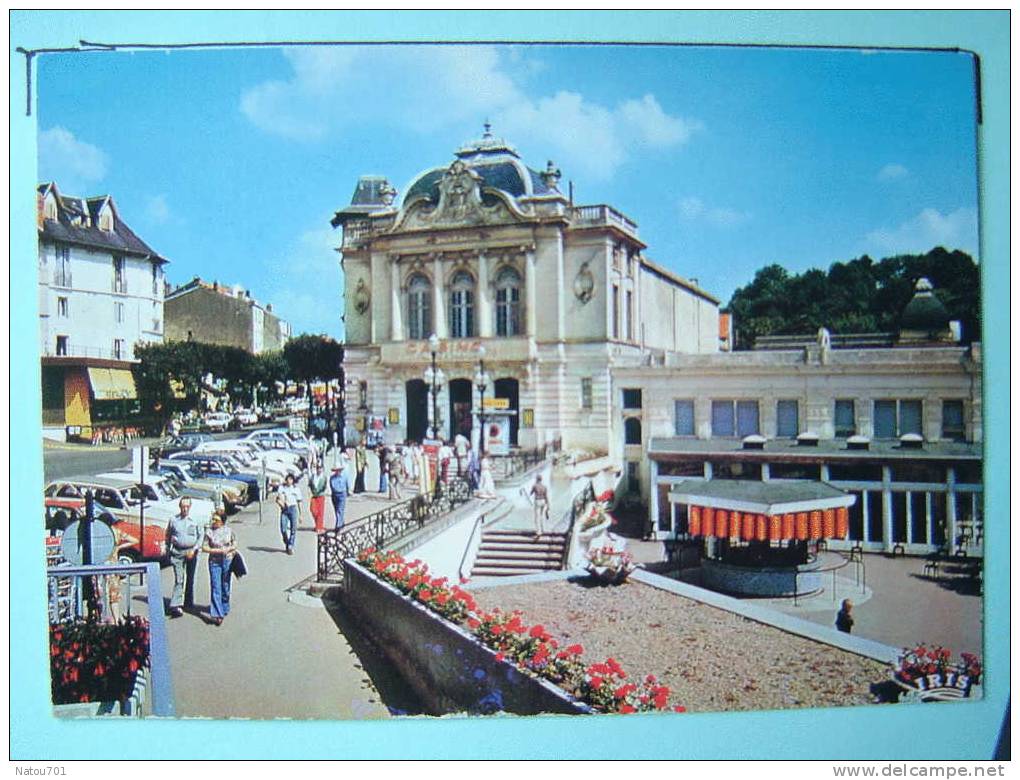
460,407
509,388
417,409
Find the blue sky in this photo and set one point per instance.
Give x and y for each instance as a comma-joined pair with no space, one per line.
231,162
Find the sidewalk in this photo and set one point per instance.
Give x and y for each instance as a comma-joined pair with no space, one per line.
279,654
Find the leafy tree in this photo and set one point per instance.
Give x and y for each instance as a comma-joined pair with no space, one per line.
314,358
268,369
858,296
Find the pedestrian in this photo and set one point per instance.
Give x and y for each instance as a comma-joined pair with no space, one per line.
339,487
422,467
317,489
288,498
393,466
407,464
360,465
460,448
474,468
541,496
384,466
845,620
184,540
445,456
486,484
220,544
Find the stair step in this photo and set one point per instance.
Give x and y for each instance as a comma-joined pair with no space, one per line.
498,564
522,540
486,571
512,545
550,557
523,532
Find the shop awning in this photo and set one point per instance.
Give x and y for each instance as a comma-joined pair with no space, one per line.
763,511
112,384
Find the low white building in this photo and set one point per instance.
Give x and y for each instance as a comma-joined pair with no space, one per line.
101,291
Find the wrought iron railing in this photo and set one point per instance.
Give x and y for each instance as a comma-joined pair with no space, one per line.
521,460
385,527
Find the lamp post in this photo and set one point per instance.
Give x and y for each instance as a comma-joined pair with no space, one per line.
434,377
482,381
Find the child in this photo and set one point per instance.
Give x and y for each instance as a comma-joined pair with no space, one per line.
844,620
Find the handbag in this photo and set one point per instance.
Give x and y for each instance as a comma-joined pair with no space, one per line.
237,566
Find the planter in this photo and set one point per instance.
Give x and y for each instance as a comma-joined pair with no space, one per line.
449,668
130,707
950,687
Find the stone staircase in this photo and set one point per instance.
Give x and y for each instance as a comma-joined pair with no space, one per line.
508,553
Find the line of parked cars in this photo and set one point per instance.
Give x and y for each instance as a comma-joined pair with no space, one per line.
217,474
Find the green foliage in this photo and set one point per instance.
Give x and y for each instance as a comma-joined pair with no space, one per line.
268,369
859,296
314,358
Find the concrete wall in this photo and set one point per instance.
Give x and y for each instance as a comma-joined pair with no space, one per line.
447,667
209,316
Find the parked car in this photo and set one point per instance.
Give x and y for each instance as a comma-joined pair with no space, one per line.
245,417
112,498
212,465
231,492
281,461
217,421
62,511
180,443
160,491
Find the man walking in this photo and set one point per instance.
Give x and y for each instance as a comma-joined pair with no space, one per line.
288,498
339,487
184,538
541,494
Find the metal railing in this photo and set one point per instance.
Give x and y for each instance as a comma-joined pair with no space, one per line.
386,526
521,460
77,350
67,602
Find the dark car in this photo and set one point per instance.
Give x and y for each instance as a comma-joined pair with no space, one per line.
184,442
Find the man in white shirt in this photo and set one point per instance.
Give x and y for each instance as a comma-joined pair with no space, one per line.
288,498
184,538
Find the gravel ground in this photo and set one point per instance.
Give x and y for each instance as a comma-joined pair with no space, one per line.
711,659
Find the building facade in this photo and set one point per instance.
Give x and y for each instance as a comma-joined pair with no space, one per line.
897,424
487,253
229,316
101,291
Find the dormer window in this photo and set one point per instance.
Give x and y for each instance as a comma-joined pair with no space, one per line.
50,210
106,219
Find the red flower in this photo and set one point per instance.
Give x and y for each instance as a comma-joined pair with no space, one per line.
537,632
500,656
496,629
626,709
473,623
596,682
464,580
575,649
425,594
679,708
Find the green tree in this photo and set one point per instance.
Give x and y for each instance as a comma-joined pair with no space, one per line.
268,369
314,358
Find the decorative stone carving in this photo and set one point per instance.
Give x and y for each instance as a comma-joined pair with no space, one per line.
460,204
551,176
584,283
362,297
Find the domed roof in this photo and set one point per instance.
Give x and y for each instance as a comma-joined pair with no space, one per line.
498,164
925,312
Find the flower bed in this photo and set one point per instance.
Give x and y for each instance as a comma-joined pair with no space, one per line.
97,662
931,674
605,687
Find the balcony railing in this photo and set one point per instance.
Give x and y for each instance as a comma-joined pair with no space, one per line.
76,350
603,215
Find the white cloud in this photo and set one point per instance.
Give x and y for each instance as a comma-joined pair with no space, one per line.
451,87
306,289
694,209
73,164
892,171
930,228
157,209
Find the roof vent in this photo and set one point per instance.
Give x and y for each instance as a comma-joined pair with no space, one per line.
754,442
807,439
858,443
911,441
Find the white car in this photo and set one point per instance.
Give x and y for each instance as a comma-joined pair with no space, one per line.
217,421
111,496
245,417
159,493
252,456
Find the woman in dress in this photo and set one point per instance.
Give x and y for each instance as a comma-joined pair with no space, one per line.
220,544
486,484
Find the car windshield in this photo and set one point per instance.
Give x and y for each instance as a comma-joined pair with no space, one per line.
167,490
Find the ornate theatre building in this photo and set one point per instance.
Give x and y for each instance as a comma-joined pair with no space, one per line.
491,257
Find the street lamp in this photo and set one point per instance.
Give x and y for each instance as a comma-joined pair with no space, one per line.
482,380
434,377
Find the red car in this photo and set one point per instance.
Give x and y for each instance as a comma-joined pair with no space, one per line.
61,512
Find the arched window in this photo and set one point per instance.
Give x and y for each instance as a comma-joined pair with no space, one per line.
632,431
419,307
462,306
508,303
